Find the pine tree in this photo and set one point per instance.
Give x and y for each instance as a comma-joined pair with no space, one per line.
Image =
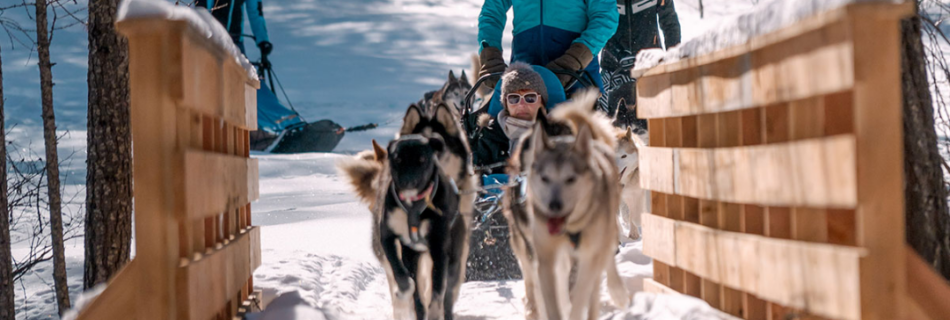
108,229
927,222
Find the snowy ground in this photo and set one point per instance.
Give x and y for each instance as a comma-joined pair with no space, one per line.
354,63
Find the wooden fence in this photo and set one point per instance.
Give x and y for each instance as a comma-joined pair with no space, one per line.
195,248
776,173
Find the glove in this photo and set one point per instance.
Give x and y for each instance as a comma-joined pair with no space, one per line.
266,47
576,58
492,62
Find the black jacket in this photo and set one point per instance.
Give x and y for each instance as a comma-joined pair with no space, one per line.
637,30
489,146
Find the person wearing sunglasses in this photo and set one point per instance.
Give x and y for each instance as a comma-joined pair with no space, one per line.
523,95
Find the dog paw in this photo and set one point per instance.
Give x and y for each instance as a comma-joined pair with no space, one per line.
436,311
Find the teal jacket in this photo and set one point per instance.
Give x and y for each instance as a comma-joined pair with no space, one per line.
544,29
592,21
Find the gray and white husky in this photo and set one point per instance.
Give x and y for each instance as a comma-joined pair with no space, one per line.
572,196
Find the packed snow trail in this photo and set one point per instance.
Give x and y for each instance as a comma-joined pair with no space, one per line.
315,239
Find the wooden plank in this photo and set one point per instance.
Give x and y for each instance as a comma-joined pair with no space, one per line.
778,222
928,289
753,307
652,286
810,224
215,278
659,238
711,293
729,129
158,166
731,301
813,63
814,172
661,272
657,132
817,278
118,300
218,183
692,284
877,130
751,127
841,227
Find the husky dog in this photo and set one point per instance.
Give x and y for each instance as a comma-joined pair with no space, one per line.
572,195
633,197
452,93
413,190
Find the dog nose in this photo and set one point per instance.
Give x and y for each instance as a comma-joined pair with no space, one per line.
556,205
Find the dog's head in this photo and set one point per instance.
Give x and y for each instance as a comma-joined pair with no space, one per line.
441,123
412,161
454,91
628,150
560,174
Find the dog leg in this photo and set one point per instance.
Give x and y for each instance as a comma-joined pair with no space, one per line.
618,293
549,284
593,308
456,272
589,272
436,309
404,283
412,260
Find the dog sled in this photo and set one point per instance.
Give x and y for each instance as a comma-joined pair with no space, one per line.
282,130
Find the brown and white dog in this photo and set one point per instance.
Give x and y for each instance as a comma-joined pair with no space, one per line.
634,199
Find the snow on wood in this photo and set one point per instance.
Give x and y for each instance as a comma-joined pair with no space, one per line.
200,20
767,17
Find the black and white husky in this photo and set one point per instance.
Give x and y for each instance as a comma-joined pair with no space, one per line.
415,190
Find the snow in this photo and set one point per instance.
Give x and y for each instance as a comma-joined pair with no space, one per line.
200,20
315,239
766,17
354,63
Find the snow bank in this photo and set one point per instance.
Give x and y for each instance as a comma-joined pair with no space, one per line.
200,20
767,17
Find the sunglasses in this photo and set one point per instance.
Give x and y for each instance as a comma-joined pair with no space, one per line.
515,98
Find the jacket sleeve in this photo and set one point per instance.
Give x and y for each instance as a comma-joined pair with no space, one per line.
670,23
491,23
255,15
602,16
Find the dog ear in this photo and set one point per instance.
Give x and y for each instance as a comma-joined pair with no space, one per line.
411,119
464,79
539,139
379,151
452,76
582,143
445,117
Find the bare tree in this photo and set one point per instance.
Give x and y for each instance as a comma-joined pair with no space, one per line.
52,158
927,220
109,148
7,311
701,9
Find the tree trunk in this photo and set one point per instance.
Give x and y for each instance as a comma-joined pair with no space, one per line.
52,160
7,311
109,148
701,9
927,224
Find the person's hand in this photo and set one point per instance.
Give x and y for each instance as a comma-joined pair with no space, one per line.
492,62
266,47
576,58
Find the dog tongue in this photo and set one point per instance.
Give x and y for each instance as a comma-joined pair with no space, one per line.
554,225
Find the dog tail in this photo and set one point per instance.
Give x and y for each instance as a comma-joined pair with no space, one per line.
579,112
361,172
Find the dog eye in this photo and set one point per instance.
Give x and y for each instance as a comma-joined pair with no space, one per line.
623,157
545,179
570,180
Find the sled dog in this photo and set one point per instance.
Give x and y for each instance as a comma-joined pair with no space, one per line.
451,93
412,187
571,198
633,197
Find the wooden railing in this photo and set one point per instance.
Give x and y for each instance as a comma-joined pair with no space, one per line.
192,108
776,173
